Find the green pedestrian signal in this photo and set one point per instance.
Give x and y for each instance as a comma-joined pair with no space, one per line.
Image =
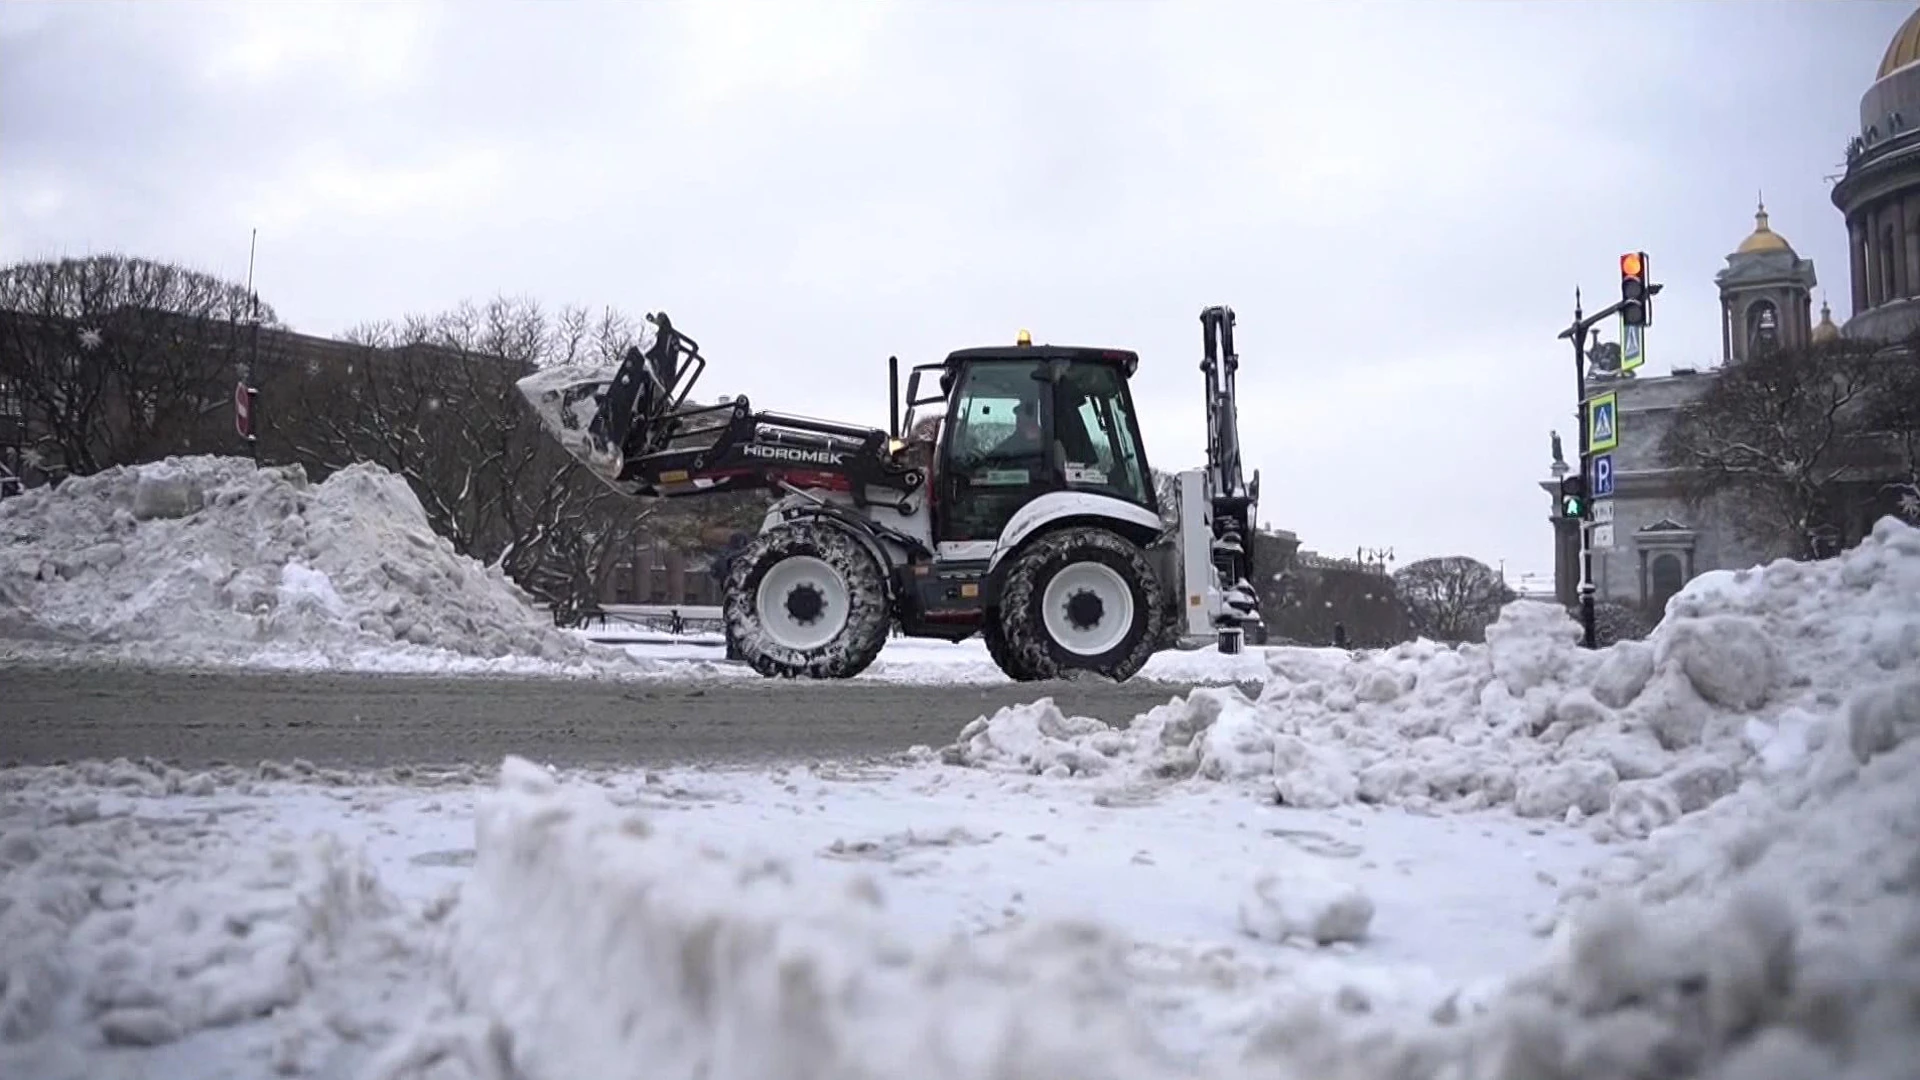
1573,498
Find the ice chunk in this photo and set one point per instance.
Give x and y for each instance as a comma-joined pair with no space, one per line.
1305,904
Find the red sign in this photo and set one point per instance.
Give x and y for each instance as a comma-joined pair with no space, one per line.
242,410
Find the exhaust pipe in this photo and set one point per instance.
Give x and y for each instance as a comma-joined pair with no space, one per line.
893,397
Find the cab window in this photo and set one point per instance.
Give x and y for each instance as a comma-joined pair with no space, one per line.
999,419
1098,436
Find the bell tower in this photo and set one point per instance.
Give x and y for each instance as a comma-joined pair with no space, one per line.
1766,295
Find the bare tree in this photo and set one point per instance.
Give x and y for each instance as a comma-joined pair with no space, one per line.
1776,439
1893,417
116,360
432,398
1452,598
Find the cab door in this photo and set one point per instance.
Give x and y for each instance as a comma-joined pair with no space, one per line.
996,451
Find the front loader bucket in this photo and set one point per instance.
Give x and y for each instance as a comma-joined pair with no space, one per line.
604,415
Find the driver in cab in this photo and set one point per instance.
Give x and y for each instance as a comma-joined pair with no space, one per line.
1025,439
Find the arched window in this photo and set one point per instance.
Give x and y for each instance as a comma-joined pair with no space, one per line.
1763,327
1668,576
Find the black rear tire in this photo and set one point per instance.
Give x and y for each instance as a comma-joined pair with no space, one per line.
830,610
1109,579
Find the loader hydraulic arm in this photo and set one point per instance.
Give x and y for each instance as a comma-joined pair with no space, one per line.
1232,497
642,438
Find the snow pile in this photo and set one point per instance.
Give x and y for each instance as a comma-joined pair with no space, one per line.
122,929
209,559
1634,736
591,944
1773,935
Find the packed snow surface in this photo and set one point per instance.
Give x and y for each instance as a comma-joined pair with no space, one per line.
866,922
927,660
1075,900
210,560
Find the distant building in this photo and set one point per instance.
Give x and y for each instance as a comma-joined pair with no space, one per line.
1766,300
1533,587
1323,597
651,573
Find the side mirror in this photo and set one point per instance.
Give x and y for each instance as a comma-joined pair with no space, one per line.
913,392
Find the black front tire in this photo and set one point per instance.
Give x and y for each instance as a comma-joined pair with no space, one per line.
1033,650
993,632
862,596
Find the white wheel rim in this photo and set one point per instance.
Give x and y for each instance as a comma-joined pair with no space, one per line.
1116,608
794,574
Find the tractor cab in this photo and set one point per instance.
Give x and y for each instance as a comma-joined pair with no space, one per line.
1022,421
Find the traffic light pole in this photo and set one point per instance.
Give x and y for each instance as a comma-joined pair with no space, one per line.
1577,333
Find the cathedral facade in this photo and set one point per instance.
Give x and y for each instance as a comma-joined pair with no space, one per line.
1879,195
1660,542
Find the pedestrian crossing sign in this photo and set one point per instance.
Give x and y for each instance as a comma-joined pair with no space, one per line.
1633,346
1603,423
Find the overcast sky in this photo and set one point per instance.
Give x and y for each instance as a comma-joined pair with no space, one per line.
1397,198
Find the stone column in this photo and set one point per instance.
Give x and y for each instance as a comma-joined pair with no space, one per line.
1875,260
1897,214
1726,330
1910,242
1566,562
1883,233
1857,257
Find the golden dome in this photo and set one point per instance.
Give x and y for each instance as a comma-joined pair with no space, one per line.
1763,238
1825,330
1904,49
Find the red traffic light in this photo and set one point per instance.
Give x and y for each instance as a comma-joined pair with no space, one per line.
1632,264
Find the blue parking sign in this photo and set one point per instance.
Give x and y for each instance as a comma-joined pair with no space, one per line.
1602,478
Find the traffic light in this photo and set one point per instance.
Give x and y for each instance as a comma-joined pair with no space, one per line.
1573,498
1636,302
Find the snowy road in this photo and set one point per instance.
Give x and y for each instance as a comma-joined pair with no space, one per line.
69,714
1349,870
